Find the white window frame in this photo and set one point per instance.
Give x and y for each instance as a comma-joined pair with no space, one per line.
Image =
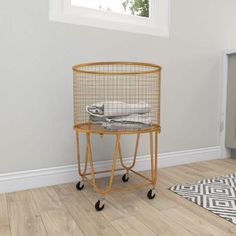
156,24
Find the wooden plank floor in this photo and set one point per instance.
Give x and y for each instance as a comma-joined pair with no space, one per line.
62,210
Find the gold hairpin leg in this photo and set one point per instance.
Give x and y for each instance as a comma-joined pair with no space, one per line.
135,155
108,189
156,158
82,174
151,156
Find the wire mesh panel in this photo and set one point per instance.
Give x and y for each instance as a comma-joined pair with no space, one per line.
117,95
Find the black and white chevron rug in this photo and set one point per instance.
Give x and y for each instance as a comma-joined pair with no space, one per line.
217,195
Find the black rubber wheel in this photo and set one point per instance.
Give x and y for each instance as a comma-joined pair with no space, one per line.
151,194
79,186
125,178
98,206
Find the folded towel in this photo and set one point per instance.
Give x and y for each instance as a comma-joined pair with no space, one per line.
116,115
131,119
117,125
116,108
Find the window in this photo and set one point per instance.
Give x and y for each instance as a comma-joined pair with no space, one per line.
130,7
140,16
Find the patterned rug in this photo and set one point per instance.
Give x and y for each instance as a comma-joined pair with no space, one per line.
217,195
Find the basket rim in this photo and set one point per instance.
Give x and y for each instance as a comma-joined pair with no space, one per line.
153,68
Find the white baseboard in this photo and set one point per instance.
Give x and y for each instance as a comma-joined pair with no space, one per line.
22,180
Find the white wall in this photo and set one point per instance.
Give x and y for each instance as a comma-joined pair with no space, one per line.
36,78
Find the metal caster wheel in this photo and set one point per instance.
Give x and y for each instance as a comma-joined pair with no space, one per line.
79,185
125,177
151,193
99,206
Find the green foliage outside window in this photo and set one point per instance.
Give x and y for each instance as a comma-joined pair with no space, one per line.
137,7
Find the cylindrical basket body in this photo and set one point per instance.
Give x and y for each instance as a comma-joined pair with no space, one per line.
121,90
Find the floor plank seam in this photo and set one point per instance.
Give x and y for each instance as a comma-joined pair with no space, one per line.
67,210
91,203
8,214
35,202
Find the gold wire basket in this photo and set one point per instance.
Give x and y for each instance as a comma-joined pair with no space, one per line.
117,98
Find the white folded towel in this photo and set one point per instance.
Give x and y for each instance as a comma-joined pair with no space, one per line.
134,118
115,114
116,108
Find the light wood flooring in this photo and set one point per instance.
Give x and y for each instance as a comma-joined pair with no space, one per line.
62,210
